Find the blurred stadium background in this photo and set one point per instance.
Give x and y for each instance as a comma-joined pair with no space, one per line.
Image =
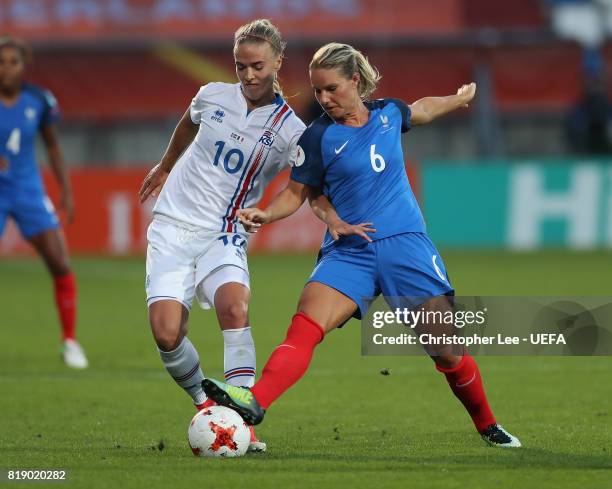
526,167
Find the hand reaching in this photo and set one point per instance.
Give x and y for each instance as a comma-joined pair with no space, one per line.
340,228
253,218
153,183
467,93
67,204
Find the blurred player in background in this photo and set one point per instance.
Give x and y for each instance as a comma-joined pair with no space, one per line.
229,144
353,153
26,110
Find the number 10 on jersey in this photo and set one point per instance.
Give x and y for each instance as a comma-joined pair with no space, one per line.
233,159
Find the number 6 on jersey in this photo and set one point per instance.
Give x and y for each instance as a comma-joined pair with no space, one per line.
377,161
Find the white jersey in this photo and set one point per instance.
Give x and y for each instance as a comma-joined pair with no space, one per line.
232,159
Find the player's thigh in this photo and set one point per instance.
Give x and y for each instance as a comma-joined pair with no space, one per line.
34,213
413,276
341,286
38,223
170,265
223,261
228,289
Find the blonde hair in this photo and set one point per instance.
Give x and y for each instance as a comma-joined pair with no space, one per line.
348,61
260,31
20,46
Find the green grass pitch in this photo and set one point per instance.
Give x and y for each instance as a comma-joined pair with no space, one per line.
344,425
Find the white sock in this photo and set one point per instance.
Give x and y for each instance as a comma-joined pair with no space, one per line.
239,360
183,364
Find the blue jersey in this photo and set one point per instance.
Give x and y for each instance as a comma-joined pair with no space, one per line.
19,124
362,171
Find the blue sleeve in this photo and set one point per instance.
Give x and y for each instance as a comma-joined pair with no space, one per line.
308,167
404,110
50,113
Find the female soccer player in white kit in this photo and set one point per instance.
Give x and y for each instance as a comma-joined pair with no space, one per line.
229,144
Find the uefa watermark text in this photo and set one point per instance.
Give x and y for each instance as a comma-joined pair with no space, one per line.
488,325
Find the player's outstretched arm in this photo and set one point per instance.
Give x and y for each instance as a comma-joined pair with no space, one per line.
56,162
289,200
183,135
429,108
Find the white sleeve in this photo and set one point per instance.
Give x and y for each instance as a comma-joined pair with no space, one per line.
293,149
197,105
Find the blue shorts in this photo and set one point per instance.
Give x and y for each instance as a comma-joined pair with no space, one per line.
33,212
405,265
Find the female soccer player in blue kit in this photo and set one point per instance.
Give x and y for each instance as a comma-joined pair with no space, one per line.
353,155
26,110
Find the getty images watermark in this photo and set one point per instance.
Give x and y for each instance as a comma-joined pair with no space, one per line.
488,325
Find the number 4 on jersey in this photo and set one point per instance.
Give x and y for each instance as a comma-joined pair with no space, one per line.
377,161
14,141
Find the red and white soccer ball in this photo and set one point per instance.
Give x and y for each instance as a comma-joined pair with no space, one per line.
218,431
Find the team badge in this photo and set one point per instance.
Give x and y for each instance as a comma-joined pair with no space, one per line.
30,113
267,139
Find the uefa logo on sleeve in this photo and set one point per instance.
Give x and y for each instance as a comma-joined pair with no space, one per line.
300,157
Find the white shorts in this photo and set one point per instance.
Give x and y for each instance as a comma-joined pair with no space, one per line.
185,262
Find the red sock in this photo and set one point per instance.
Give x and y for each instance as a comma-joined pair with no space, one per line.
206,404
289,361
65,300
466,383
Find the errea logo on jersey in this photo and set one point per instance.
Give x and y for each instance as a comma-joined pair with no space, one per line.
218,116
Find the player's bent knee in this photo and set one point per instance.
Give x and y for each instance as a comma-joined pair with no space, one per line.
58,264
168,325
60,270
167,339
447,361
233,315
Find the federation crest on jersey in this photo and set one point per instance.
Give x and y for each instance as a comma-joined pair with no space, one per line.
267,139
30,113
218,116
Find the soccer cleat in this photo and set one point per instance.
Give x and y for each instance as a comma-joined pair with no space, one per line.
256,445
73,354
497,436
240,399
